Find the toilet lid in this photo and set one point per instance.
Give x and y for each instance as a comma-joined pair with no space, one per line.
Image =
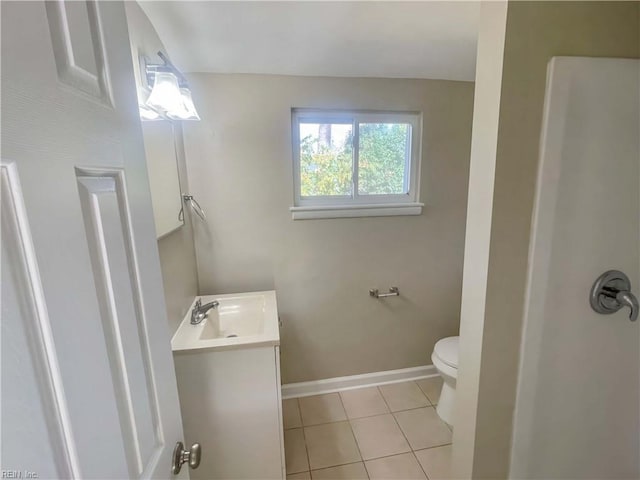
447,351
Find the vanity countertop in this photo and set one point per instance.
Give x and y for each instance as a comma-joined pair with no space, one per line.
238,321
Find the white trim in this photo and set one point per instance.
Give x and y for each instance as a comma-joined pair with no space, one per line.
337,384
350,211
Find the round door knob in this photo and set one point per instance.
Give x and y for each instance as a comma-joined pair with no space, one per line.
180,456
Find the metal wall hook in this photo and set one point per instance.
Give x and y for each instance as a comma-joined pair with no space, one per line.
393,292
186,198
612,291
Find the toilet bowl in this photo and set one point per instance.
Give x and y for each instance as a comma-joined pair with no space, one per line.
445,359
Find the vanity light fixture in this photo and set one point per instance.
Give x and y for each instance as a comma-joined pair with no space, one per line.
170,96
147,113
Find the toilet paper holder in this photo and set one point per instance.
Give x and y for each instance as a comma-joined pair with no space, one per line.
393,292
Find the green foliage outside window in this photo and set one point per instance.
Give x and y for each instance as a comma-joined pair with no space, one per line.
326,167
382,158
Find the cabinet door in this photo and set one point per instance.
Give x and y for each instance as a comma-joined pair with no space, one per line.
231,404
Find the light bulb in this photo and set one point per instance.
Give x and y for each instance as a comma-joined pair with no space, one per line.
165,95
187,110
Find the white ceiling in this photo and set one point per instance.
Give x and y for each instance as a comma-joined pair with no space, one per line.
355,39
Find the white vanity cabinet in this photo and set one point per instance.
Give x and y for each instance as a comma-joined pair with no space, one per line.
230,394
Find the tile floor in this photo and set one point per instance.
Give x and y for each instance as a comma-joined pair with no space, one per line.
389,432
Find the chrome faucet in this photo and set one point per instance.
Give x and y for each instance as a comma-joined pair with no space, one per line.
199,311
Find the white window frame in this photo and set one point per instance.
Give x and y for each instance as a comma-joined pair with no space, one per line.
357,205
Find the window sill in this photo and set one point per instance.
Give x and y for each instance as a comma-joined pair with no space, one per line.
351,211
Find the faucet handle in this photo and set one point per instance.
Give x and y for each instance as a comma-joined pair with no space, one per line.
198,304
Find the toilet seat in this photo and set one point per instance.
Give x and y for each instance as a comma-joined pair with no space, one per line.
446,350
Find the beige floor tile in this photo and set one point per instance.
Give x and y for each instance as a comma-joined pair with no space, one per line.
331,444
403,396
299,476
363,402
321,409
431,387
291,413
403,466
353,471
423,428
379,436
436,462
295,452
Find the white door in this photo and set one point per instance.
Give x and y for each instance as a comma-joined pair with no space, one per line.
578,405
88,384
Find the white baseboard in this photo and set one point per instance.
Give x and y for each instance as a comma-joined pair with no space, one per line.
330,385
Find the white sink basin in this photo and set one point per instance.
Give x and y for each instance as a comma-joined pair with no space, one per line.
239,321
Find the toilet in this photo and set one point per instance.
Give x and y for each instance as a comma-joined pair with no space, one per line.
445,359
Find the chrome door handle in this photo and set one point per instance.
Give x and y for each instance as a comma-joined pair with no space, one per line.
612,291
180,456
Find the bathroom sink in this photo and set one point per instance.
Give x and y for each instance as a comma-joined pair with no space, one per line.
237,316
240,320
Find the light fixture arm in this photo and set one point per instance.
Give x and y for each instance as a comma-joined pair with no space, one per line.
151,69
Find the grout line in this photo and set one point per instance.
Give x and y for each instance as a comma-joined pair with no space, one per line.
337,465
430,404
434,446
299,412
304,437
366,470
405,437
342,405
359,418
401,431
340,465
371,416
362,459
377,458
387,456
413,452
355,439
425,393
384,399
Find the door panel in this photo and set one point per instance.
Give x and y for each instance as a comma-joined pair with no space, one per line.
108,406
106,212
578,405
29,361
78,46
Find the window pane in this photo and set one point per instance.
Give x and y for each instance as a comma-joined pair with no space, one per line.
326,159
384,150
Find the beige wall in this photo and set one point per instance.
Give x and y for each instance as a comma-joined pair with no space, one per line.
535,31
177,254
240,168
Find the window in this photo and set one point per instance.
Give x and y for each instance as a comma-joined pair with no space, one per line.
354,164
